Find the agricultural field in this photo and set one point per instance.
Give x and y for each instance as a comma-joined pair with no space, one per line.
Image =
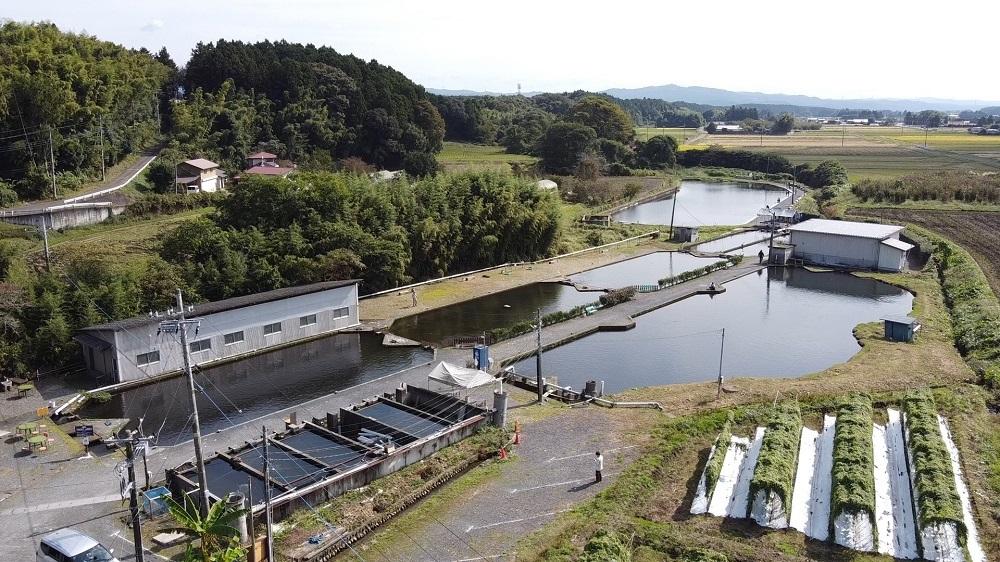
880,152
976,231
461,156
681,134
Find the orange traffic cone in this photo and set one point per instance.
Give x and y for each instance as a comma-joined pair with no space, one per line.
503,453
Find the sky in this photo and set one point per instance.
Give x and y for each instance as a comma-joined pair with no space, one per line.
831,49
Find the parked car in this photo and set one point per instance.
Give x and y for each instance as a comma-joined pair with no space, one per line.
69,545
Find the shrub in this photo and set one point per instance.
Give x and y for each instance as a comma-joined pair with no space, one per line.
935,482
617,296
714,467
701,271
853,485
775,470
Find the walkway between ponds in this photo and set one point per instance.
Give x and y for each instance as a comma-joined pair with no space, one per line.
618,317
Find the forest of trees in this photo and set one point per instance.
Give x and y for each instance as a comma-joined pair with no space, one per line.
73,86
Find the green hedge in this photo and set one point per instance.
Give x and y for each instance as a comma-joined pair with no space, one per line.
779,450
853,485
935,482
618,296
695,273
714,467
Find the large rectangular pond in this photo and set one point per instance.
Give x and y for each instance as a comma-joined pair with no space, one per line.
506,308
258,385
705,203
782,323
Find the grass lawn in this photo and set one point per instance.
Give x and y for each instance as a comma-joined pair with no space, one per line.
459,156
681,134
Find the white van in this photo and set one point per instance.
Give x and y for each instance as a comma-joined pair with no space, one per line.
68,545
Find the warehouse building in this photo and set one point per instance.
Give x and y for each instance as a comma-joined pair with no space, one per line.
858,245
135,348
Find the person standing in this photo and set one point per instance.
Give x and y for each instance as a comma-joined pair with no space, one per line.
760,256
598,467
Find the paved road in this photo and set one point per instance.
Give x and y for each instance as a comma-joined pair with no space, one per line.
112,184
553,472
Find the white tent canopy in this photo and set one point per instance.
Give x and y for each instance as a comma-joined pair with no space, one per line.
453,375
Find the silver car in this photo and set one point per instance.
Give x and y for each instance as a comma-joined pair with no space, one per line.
68,545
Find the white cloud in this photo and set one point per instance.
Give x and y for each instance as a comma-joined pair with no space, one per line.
153,25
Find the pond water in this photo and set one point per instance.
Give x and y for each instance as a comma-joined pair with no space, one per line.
729,242
705,203
780,323
643,270
259,385
473,317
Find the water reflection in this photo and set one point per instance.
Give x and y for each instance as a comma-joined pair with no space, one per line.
259,385
705,203
787,322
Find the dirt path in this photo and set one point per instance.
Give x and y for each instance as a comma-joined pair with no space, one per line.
553,472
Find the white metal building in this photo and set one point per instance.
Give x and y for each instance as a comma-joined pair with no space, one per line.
849,244
134,348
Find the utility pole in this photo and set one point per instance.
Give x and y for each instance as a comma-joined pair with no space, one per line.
722,349
538,355
673,209
267,498
925,135
181,325
100,132
45,241
843,133
133,503
52,157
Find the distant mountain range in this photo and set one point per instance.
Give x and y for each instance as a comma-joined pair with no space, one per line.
720,97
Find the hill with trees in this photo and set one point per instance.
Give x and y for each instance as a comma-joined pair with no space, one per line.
306,103
78,89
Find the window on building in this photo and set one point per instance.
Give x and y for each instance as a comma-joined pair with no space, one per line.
308,320
201,345
341,312
274,328
235,337
147,358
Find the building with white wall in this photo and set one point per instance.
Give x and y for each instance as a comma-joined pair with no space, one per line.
135,348
858,245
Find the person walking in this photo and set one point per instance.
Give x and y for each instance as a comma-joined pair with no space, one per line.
760,256
598,467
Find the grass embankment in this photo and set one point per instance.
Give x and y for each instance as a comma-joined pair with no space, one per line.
935,483
779,449
974,308
357,508
853,480
714,467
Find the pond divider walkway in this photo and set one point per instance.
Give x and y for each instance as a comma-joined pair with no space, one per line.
617,318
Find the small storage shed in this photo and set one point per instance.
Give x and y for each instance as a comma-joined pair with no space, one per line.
685,234
779,253
901,327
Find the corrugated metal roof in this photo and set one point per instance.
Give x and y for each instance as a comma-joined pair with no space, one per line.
257,155
847,228
898,244
201,163
224,305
